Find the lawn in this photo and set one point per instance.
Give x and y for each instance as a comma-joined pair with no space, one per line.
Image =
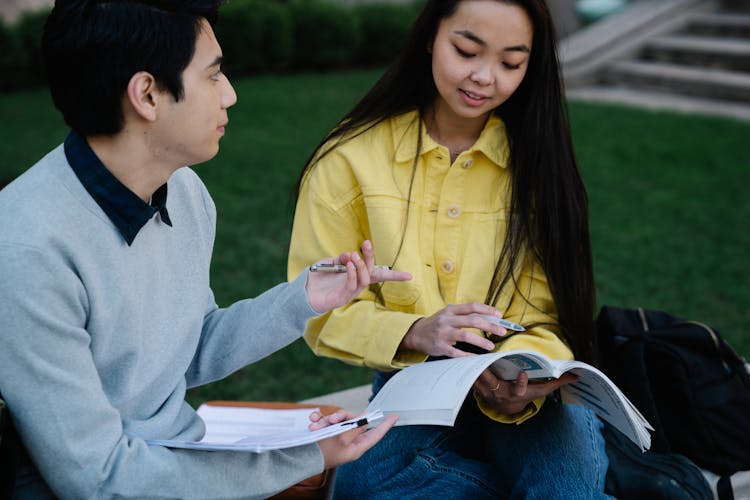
668,210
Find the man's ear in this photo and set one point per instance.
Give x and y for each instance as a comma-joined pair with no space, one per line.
143,95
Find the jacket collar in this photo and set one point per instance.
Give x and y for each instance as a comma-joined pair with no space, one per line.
492,142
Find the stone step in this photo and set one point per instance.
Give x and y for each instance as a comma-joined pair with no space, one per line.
660,101
671,78
726,24
704,51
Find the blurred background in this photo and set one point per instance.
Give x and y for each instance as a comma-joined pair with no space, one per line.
659,103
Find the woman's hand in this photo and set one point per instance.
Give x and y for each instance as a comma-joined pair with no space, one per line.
437,335
352,444
513,396
326,290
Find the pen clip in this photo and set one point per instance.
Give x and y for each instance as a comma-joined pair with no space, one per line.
358,423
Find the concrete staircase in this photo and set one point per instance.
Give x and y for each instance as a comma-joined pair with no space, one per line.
684,55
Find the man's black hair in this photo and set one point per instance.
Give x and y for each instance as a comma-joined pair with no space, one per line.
91,49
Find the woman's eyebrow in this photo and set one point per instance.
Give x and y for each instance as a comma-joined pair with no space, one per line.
474,38
471,36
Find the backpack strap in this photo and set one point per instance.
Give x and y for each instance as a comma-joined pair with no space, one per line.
724,488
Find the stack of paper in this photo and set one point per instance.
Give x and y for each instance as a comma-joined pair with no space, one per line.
230,428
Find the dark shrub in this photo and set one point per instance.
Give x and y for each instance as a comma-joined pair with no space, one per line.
255,35
326,34
13,67
384,29
29,28
20,51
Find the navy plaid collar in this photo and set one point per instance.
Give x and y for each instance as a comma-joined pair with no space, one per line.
124,208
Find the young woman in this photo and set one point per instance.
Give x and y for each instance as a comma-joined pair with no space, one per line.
458,165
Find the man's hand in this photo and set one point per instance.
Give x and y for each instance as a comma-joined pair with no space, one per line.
326,290
352,444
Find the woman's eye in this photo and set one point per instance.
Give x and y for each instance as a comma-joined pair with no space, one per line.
463,53
511,66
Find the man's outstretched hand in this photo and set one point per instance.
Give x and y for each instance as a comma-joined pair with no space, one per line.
329,290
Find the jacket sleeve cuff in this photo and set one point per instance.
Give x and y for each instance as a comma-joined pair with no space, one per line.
516,418
384,347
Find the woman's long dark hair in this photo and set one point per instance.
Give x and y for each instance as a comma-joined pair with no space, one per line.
548,206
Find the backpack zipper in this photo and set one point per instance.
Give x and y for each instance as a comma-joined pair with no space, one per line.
644,321
710,330
714,337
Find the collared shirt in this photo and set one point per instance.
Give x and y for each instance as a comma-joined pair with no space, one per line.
128,212
446,227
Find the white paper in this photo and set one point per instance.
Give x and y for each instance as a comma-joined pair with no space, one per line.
230,428
229,424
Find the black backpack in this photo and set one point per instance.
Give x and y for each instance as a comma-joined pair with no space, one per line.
686,380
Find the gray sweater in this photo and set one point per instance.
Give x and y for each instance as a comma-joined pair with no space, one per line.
100,340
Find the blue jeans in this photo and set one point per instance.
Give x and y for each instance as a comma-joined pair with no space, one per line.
557,454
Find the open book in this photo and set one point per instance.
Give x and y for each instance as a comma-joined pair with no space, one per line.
432,392
233,428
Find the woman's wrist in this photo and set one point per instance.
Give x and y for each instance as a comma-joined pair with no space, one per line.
406,342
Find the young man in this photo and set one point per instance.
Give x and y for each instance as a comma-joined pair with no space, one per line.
106,314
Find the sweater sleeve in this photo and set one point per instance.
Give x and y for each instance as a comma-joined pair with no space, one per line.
249,330
72,432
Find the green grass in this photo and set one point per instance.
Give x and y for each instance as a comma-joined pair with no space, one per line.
669,213
668,210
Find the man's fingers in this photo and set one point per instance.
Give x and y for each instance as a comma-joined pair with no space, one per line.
319,421
368,255
363,274
382,274
368,439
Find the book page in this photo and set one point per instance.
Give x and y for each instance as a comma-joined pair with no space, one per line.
514,362
596,391
432,392
416,392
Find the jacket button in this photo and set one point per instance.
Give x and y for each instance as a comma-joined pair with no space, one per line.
447,266
454,211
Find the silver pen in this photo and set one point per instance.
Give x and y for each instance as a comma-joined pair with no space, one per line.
504,323
337,268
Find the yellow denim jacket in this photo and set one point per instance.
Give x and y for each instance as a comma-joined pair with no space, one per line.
454,234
